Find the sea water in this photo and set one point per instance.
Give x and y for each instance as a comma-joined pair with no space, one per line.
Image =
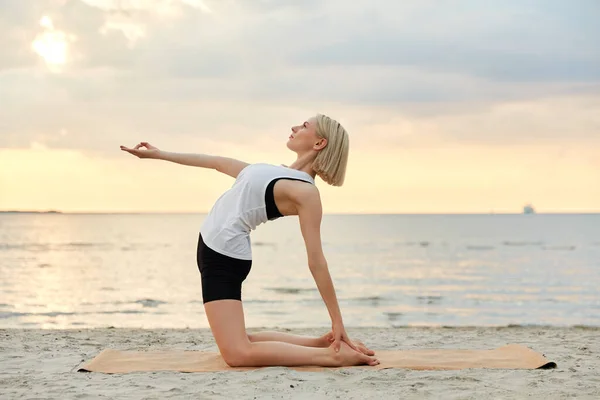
139,270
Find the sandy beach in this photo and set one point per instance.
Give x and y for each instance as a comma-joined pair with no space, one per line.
42,364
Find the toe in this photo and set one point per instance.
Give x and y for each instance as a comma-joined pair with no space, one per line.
370,360
373,362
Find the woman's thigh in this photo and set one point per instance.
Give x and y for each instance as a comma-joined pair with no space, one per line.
227,323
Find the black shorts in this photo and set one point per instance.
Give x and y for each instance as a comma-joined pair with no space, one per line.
222,276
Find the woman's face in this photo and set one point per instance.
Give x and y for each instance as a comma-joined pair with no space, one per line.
304,136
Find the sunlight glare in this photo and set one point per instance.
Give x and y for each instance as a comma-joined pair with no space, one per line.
52,45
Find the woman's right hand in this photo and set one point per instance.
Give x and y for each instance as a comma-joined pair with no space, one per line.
143,150
329,338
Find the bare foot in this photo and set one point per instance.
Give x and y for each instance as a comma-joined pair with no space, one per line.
325,341
348,357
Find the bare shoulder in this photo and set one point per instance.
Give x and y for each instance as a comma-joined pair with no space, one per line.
305,196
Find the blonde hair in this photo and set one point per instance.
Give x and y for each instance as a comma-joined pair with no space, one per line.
331,161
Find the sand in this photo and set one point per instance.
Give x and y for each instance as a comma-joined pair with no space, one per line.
42,364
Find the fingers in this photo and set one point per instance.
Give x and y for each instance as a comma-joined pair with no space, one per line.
355,348
366,351
138,146
360,347
127,149
138,150
337,344
352,345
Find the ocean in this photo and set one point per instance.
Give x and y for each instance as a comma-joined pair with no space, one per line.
139,270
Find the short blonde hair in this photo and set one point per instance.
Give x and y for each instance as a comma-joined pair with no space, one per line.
331,161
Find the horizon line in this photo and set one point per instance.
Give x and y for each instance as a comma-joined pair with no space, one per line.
329,213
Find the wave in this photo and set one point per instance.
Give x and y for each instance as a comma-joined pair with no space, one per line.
25,246
149,302
393,316
258,243
39,247
429,299
81,244
366,298
143,246
261,301
74,246
476,247
559,247
144,302
6,314
291,290
523,243
120,312
422,243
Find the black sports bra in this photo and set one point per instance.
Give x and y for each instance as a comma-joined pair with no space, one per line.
272,210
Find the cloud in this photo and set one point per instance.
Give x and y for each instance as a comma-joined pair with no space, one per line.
511,41
186,72
569,121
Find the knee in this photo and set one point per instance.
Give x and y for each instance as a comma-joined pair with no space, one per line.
236,356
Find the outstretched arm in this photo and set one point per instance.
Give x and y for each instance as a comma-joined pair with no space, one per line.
226,165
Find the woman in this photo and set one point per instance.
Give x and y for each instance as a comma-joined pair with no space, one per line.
261,193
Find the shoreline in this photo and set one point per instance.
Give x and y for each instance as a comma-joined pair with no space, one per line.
42,363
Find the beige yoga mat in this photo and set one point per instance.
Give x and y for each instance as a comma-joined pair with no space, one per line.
512,356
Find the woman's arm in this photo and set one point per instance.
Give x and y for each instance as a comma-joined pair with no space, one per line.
310,212
226,165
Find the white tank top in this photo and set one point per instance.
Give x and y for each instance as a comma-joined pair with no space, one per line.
242,208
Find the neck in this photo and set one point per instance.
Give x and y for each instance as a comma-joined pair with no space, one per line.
304,162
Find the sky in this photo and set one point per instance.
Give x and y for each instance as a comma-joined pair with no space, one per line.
472,106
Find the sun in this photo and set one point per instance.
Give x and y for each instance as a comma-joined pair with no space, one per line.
52,45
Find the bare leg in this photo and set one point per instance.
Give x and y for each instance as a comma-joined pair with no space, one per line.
269,336
288,338
226,319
